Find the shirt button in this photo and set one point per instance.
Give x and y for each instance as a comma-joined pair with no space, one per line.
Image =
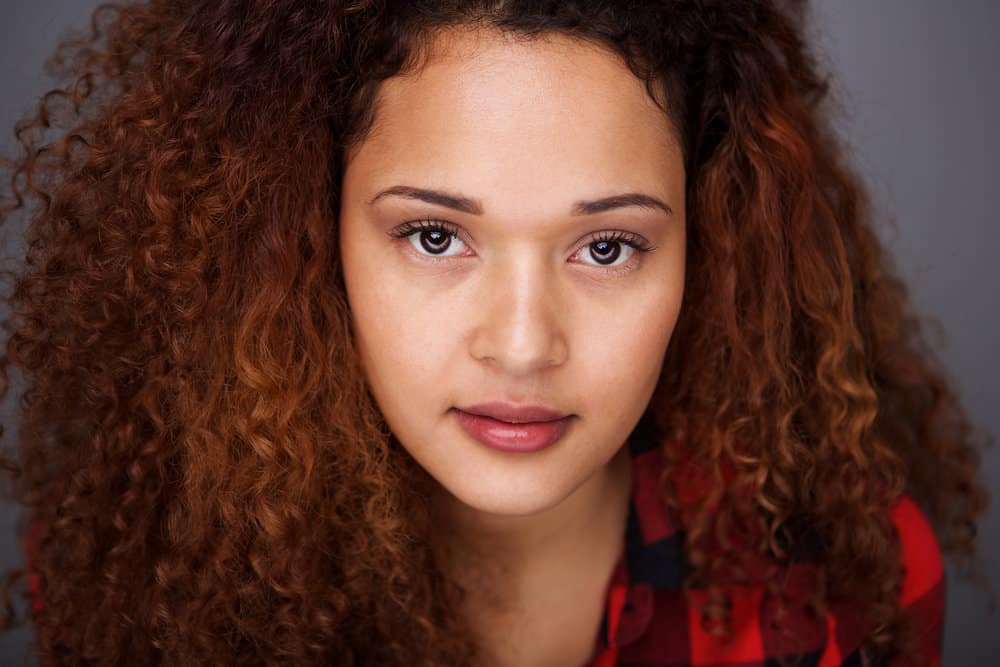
636,614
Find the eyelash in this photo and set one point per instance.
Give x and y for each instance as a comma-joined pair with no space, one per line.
635,242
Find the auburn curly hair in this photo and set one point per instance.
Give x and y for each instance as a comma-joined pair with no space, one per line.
207,476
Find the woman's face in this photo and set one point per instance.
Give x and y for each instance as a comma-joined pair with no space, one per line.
519,301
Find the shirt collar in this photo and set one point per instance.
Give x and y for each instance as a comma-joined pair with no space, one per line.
653,555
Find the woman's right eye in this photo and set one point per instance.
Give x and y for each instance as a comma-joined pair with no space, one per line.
432,238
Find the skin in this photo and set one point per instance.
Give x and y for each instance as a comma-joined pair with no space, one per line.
518,308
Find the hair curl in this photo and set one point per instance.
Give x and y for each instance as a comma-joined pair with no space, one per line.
214,483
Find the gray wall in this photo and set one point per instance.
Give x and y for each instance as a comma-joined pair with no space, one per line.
918,84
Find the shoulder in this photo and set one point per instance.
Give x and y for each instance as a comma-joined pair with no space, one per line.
923,565
922,591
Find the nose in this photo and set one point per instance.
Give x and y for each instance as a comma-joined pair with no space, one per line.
519,323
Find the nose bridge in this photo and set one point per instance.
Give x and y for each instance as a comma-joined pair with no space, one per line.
519,324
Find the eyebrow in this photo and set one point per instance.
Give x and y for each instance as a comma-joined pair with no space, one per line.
475,206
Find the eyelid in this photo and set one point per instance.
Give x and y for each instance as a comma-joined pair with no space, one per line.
425,224
622,236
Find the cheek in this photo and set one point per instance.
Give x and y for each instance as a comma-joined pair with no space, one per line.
402,338
624,350
619,364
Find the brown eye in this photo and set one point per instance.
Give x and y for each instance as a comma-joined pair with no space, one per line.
614,250
605,252
435,241
430,238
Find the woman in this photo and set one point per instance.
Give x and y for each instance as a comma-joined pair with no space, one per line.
486,333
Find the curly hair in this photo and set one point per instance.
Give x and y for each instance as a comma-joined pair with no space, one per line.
210,478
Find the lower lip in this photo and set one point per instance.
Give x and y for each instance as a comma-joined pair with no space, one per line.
506,437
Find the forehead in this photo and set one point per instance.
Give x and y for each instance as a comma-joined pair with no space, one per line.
487,111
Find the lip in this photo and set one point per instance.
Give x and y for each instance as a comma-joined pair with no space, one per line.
523,436
514,414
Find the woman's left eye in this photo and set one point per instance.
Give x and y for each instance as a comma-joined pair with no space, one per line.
608,247
435,238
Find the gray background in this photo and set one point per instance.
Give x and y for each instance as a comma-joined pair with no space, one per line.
918,86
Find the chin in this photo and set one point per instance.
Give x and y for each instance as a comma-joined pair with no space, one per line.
507,499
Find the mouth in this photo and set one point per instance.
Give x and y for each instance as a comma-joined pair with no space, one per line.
515,414
536,428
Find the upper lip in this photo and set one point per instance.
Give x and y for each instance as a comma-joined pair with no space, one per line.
515,414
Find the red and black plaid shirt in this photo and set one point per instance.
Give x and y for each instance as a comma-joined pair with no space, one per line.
648,622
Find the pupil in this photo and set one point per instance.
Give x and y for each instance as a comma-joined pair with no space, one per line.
602,248
440,241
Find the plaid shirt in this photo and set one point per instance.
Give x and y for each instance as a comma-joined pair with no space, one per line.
647,621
